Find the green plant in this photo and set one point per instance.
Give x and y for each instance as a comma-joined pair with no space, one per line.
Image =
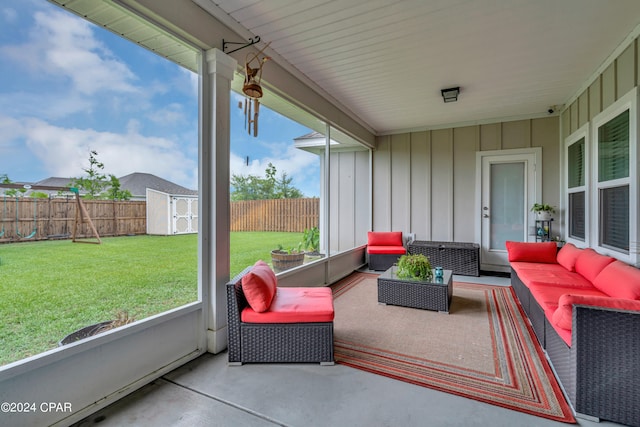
311,239
540,207
414,266
291,249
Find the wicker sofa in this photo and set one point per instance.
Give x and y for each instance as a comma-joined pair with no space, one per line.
271,324
585,310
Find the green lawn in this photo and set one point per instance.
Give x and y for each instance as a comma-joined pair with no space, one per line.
49,289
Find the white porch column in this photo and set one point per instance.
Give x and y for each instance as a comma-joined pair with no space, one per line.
214,185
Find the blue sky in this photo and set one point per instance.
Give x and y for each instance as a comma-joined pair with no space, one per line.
69,87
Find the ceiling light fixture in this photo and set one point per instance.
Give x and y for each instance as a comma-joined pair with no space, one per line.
451,94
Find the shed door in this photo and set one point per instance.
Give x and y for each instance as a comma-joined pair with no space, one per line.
185,215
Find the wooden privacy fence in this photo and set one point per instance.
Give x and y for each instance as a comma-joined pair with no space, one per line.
27,218
288,215
41,219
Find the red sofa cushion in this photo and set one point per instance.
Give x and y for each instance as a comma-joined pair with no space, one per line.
544,252
554,275
295,305
384,238
386,250
563,316
619,280
590,263
548,297
259,286
568,255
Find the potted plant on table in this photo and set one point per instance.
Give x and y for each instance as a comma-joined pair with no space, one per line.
416,266
543,211
283,259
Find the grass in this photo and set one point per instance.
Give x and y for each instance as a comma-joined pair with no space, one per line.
49,289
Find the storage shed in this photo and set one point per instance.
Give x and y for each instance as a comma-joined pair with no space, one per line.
169,214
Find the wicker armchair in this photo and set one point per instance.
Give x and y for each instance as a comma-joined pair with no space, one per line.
384,248
273,342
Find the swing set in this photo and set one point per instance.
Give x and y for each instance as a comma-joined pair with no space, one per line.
81,216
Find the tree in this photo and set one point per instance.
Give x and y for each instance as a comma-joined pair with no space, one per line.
95,182
115,192
252,187
12,192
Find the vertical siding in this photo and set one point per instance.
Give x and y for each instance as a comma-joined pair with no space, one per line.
400,182
583,109
545,133
609,86
361,196
465,145
382,185
491,137
516,134
442,184
436,191
626,71
420,184
595,99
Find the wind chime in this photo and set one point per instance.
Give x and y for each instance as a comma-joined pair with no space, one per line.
253,90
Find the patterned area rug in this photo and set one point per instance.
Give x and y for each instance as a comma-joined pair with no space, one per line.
483,349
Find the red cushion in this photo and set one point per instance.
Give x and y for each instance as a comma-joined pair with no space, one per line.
259,286
295,305
619,280
590,263
568,255
386,250
384,238
555,275
562,317
532,252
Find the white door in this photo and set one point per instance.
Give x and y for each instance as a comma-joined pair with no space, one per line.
185,215
509,186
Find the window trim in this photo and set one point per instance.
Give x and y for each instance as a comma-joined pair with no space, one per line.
582,133
627,102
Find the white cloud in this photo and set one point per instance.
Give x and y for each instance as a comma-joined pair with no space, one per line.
63,46
65,152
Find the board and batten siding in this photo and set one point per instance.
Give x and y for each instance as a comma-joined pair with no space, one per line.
618,78
425,182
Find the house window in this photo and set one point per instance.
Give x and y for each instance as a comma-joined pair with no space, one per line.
576,159
613,182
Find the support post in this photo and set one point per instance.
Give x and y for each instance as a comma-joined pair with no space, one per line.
214,190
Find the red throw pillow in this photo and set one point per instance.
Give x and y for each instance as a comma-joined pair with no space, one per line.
619,280
259,286
568,255
563,316
544,252
590,263
384,238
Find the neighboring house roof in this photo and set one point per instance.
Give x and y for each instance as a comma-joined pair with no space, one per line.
55,181
137,183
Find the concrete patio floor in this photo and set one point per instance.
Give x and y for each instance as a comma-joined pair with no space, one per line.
207,392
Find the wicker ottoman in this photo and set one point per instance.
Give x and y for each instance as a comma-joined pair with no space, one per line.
415,293
461,258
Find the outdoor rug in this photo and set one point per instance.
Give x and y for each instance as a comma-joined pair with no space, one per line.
483,349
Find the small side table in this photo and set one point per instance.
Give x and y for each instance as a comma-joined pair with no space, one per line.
415,293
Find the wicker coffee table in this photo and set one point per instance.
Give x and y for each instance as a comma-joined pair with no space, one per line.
415,293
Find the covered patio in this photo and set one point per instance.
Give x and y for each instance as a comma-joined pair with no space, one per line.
533,78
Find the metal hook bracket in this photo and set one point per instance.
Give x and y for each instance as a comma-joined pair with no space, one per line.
251,42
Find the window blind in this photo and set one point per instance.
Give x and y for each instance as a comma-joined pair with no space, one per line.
576,162
577,215
614,217
613,148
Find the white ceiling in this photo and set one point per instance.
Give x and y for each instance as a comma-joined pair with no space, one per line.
387,60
